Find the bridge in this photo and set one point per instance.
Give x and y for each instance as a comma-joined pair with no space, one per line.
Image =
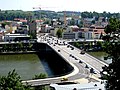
82,63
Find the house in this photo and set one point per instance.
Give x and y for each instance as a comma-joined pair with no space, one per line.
71,32
96,31
93,32
45,28
53,31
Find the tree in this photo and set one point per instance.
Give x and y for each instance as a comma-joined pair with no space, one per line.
59,33
40,76
20,45
12,82
72,22
76,44
111,73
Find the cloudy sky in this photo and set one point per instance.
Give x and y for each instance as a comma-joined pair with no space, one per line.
61,5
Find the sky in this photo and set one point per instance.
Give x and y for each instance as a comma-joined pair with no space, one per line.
62,5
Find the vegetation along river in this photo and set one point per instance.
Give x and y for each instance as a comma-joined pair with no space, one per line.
100,55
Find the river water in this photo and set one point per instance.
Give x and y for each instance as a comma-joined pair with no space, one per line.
26,65
100,56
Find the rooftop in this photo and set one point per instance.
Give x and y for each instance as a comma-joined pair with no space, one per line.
87,86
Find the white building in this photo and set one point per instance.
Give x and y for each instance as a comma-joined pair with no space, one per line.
85,86
88,35
13,37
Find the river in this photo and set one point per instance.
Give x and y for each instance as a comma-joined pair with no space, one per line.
100,55
26,65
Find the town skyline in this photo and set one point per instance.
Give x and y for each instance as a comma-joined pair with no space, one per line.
54,5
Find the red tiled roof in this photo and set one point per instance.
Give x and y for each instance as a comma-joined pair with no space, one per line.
20,19
99,31
39,20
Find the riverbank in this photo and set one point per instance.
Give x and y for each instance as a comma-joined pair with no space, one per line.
100,55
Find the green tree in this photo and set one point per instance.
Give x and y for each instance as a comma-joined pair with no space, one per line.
80,24
72,22
59,33
113,26
76,44
40,76
20,45
112,72
12,82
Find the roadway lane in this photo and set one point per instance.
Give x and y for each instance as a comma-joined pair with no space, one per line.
89,60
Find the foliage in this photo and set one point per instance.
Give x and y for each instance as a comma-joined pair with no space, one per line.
113,26
112,72
76,44
12,14
72,22
12,82
96,15
59,33
40,76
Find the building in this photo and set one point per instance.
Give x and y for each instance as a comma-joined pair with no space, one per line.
96,31
68,35
93,32
22,29
45,28
1,36
84,86
71,32
15,37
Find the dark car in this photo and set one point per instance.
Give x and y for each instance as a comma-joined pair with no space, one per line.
72,48
82,52
80,61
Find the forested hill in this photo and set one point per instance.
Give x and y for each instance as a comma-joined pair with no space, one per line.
11,14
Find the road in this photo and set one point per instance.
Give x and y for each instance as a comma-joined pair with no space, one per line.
72,57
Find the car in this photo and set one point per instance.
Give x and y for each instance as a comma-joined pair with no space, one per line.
70,55
80,61
76,58
64,79
86,66
72,48
82,52
68,46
